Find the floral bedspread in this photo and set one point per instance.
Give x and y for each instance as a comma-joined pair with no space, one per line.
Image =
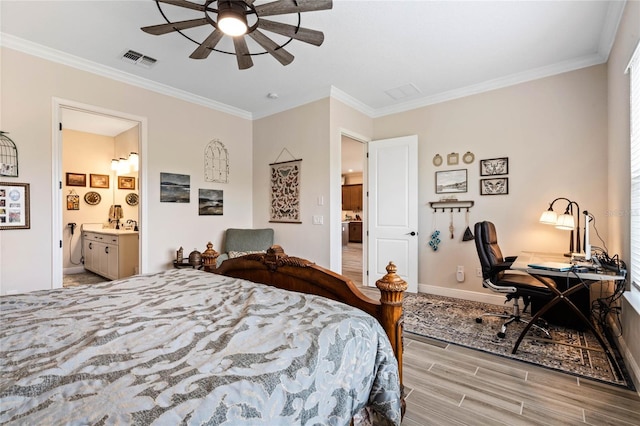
189,347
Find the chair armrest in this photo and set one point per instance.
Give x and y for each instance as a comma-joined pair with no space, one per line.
498,267
221,258
510,259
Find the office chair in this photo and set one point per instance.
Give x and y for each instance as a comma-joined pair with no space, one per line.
513,285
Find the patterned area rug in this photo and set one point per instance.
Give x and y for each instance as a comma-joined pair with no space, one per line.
453,321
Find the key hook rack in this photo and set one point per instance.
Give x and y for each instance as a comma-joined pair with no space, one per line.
450,205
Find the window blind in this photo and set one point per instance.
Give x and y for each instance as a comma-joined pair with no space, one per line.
634,214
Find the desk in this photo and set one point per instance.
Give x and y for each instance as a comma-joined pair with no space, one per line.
586,278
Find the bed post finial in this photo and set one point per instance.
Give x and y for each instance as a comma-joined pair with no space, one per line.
392,289
209,256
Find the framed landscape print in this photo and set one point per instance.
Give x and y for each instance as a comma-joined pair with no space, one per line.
451,181
494,166
99,181
126,182
210,202
76,179
175,188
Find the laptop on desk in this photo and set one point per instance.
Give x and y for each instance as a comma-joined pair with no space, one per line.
552,266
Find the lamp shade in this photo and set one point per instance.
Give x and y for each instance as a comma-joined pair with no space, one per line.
549,217
565,222
134,160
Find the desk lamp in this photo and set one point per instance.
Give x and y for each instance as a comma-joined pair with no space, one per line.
565,222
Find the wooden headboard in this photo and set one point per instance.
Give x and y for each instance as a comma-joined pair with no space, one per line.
292,273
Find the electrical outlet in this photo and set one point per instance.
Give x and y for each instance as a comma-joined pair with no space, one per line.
479,272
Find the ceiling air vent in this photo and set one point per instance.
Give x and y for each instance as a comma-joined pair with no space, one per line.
136,58
402,92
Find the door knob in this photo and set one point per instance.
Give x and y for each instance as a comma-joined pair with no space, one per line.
412,233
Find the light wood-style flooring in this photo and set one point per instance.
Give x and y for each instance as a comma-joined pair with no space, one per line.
452,385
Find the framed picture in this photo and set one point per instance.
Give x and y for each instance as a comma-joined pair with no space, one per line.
494,166
76,179
210,202
452,159
175,188
73,202
285,192
451,181
14,206
495,186
126,182
99,181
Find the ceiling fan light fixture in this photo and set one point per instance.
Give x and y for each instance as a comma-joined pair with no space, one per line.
231,18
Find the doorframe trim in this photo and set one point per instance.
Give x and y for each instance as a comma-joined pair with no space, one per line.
337,244
58,104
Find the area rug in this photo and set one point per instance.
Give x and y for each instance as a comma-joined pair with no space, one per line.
453,321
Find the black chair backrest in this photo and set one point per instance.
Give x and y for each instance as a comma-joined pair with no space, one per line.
488,250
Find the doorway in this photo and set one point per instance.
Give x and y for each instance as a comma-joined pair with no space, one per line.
86,140
353,220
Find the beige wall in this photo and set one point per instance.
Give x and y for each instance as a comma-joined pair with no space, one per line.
177,133
554,132
300,133
626,40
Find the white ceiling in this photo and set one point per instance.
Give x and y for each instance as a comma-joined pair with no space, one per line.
444,49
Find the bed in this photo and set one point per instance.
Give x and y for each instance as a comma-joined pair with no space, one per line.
213,346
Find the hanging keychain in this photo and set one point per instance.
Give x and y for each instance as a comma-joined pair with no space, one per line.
435,235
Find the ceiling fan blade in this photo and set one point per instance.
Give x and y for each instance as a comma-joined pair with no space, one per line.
303,34
284,57
242,53
280,7
205,47
174,26
184,3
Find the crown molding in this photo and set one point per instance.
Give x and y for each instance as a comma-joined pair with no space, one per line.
610,27
57,56
495,84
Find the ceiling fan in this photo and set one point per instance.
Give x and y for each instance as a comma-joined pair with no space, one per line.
240,18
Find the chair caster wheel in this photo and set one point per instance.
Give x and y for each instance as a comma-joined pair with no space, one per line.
501,335
479,320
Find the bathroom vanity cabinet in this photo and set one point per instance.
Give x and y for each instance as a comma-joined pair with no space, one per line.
111,253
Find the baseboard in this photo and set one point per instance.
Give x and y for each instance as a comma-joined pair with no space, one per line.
629,361
474,296
74,270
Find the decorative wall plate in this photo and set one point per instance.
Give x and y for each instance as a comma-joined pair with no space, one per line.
468,157
92,198
132,199
437,160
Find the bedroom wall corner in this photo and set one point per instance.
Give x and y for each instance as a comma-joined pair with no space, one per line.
552,130
304,133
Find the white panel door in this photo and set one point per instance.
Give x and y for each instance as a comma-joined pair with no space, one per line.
393,208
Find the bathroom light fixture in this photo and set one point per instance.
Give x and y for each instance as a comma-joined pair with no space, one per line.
134,160
126,165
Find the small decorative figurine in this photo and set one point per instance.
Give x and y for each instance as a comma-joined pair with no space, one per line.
180,255
195,258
